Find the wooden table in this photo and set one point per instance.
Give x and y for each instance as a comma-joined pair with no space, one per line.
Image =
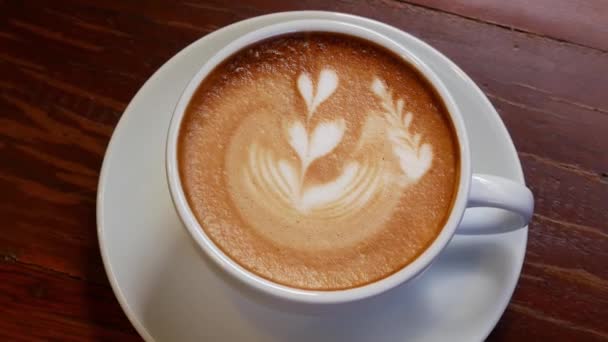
69,68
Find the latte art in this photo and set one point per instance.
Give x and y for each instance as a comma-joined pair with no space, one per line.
358,183
318,161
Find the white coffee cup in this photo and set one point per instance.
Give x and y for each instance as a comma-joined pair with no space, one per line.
474,190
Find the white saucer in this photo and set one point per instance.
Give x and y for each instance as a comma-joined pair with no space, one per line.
170,292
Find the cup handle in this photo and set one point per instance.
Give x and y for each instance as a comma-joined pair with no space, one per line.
496,192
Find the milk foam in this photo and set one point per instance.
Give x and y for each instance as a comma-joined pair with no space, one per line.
327,84
318,161
351,190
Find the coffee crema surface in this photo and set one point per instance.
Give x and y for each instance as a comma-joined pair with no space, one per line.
318,161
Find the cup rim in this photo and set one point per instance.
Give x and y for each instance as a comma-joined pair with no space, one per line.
293,294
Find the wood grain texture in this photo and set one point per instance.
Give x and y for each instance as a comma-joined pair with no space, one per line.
579,21
68,68
38,304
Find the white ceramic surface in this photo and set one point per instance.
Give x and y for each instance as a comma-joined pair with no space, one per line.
484,191
171,292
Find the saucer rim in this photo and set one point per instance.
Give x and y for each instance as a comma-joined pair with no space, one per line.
262,21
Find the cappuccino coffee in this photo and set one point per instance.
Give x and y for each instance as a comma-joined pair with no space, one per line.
318,161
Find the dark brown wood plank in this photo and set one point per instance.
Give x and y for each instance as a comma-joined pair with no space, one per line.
522,323
54,163
41,305
579,21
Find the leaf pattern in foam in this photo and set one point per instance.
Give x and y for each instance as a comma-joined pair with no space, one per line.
378,87
325,137
326,85
414,163
324,194
298,139
288,173
328,82
305,88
